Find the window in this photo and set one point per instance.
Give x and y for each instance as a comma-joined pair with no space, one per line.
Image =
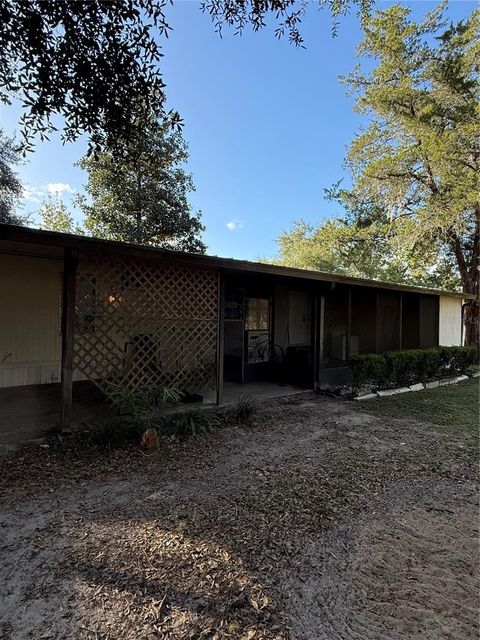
257,314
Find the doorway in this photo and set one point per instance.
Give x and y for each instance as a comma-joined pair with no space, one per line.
248,334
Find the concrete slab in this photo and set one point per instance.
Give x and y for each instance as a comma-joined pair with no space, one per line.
433,384
444,381
461,378
417,387
476,374
261,390
33,411
366,396
392,392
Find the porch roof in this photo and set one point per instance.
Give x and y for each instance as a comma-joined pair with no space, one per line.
53,243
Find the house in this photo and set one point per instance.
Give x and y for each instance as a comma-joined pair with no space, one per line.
79,309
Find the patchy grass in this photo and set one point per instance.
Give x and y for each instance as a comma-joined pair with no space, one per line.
455,406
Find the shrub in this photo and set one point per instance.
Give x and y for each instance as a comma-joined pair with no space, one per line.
144,404
412,365
193,422
242,410
455,360
369,367
404,367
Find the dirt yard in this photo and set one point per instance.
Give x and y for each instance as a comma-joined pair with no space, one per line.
319,521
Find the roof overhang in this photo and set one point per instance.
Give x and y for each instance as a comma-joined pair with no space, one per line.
18,236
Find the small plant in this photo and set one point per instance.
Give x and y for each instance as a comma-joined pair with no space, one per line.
242,411
144,404
196,421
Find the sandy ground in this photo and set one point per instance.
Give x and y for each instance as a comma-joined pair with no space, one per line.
315,522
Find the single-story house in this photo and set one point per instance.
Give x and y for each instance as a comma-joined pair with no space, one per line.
75,308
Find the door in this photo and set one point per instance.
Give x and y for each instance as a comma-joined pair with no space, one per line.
258,336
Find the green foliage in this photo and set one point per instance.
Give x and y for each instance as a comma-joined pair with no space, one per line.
408,366
97,64
286,15
242,411
455,407
93,63
106,436
347,247
458,359
10,185
144,404
417,163
369,367
56,217
196,421
143,199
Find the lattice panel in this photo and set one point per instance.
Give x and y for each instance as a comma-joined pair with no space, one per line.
143,322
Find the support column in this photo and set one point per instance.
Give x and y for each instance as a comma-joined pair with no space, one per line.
220,336
70,262
401,322
349,325
315,332
321,336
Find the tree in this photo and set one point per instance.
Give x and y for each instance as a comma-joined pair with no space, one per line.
56,217
287,15
418,159
144,199
89,62
345,247
10,184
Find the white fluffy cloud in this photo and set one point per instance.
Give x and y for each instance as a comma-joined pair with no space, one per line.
57,188
35,194
234,224
32,194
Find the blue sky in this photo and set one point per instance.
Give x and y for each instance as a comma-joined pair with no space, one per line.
267,125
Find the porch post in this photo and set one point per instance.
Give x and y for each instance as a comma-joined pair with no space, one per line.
401,322
349,325
70,261
220,336
321,337
315,333
377,322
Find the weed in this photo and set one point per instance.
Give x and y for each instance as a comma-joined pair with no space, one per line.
242,411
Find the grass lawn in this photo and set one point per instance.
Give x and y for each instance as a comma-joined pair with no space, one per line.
456,406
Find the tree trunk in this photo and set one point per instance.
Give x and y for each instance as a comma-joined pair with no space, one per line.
469,269
471,314
471,309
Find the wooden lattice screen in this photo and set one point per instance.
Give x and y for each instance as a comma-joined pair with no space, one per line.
139,322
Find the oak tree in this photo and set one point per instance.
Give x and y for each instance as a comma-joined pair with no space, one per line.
143,199
418,160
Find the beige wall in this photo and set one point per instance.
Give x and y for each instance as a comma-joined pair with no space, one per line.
450,324
292,317
30,340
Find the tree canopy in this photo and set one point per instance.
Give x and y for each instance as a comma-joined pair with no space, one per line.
419,158
413,212
86,61
54,216
143,199
287,15
91,62
10,184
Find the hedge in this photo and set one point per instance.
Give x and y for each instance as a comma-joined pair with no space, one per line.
412,365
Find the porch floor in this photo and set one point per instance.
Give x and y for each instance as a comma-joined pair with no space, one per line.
260,390
31,411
